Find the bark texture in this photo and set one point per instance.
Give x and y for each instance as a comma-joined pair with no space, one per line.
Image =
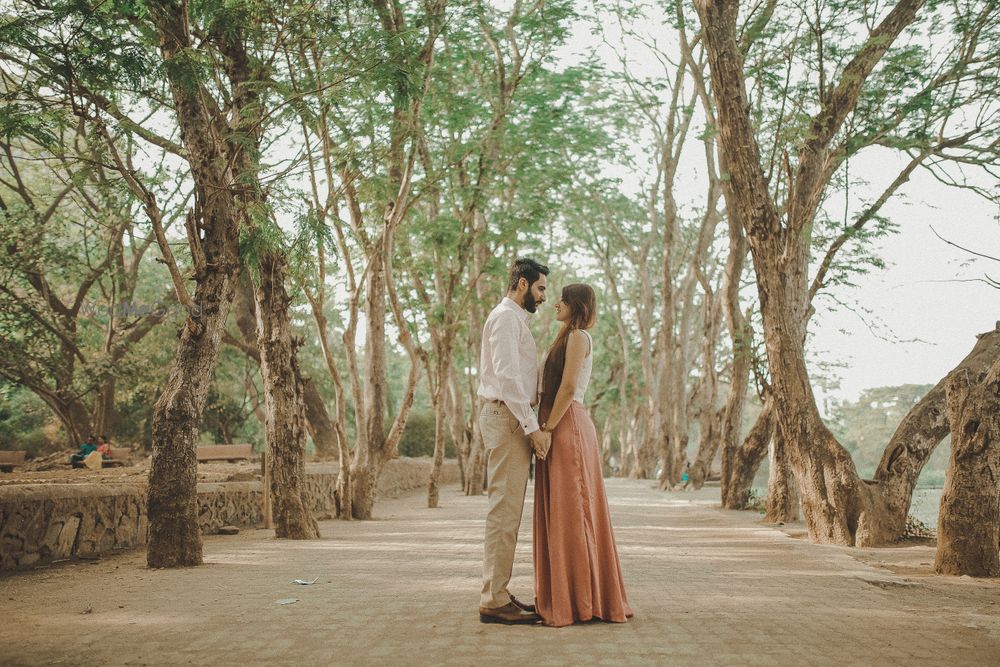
442,371
284,408
969,519
919,434
782,504
746,460
213,234
318,423
369,459
321,428
174,534
709,419
740,339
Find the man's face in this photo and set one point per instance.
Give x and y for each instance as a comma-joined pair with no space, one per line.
535,296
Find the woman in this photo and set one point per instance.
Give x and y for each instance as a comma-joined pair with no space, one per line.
577,573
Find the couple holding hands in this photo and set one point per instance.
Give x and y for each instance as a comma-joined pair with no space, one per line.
577,572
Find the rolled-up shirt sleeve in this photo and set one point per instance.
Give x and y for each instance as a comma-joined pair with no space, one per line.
506,358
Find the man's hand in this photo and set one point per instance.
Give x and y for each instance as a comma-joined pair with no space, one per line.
540,443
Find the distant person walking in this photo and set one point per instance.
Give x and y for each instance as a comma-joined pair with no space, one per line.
508,386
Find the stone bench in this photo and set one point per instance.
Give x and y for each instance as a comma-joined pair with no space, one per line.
230,453
10,459
120,456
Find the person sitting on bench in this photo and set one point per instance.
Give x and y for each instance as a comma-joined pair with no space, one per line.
104,446
88,447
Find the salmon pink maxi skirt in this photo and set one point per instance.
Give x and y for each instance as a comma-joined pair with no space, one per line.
577,573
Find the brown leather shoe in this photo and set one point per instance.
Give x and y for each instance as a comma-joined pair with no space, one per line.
523,606
509,614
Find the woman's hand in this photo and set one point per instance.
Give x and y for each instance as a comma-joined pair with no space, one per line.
540,443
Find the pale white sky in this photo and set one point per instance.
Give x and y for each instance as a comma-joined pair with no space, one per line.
919,294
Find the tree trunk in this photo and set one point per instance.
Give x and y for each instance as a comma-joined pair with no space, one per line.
104,408
213,236
369,461
631,445
72,413
782,504
342,494
438,398
835,502
321,428
606,436
460,434
476,477
746,460
440,420
918,435
740,339
283,403
710,419
174,533
644,461
969,519
708,447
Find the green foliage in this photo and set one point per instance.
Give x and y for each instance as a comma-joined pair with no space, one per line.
418,436
504,162
22,420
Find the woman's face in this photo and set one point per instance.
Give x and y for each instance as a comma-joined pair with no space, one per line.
562,310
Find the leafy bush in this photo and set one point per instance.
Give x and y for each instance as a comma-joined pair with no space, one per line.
22,421
418,436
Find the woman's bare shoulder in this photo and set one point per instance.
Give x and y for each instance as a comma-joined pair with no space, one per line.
578,338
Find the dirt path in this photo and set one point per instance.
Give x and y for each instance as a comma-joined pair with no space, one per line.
707,586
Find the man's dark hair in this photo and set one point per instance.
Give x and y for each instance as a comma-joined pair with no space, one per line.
527,268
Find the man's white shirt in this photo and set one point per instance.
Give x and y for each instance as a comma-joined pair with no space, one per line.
508,363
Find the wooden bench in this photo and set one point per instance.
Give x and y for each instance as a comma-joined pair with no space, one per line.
10,459
120,456
231,453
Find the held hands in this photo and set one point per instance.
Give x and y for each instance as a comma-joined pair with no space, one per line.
540,443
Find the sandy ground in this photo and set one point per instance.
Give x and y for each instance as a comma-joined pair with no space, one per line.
708,587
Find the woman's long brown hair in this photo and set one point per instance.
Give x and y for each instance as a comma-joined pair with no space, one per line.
582,303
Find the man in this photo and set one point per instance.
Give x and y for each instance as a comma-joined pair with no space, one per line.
88,447
508,387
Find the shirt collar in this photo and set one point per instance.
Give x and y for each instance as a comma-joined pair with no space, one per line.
512,305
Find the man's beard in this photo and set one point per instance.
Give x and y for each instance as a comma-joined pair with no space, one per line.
529,303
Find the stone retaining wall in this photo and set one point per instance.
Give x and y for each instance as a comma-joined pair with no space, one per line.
42,523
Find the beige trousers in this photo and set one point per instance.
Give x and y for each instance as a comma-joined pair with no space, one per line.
509,459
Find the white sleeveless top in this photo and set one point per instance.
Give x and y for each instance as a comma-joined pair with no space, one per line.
583,379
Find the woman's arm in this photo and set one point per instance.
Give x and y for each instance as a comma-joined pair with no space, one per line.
576,352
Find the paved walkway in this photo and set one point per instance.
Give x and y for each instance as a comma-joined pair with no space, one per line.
707,586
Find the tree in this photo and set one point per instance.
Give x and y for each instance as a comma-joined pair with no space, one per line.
969,520
359,148
495,138
71,300
852,112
